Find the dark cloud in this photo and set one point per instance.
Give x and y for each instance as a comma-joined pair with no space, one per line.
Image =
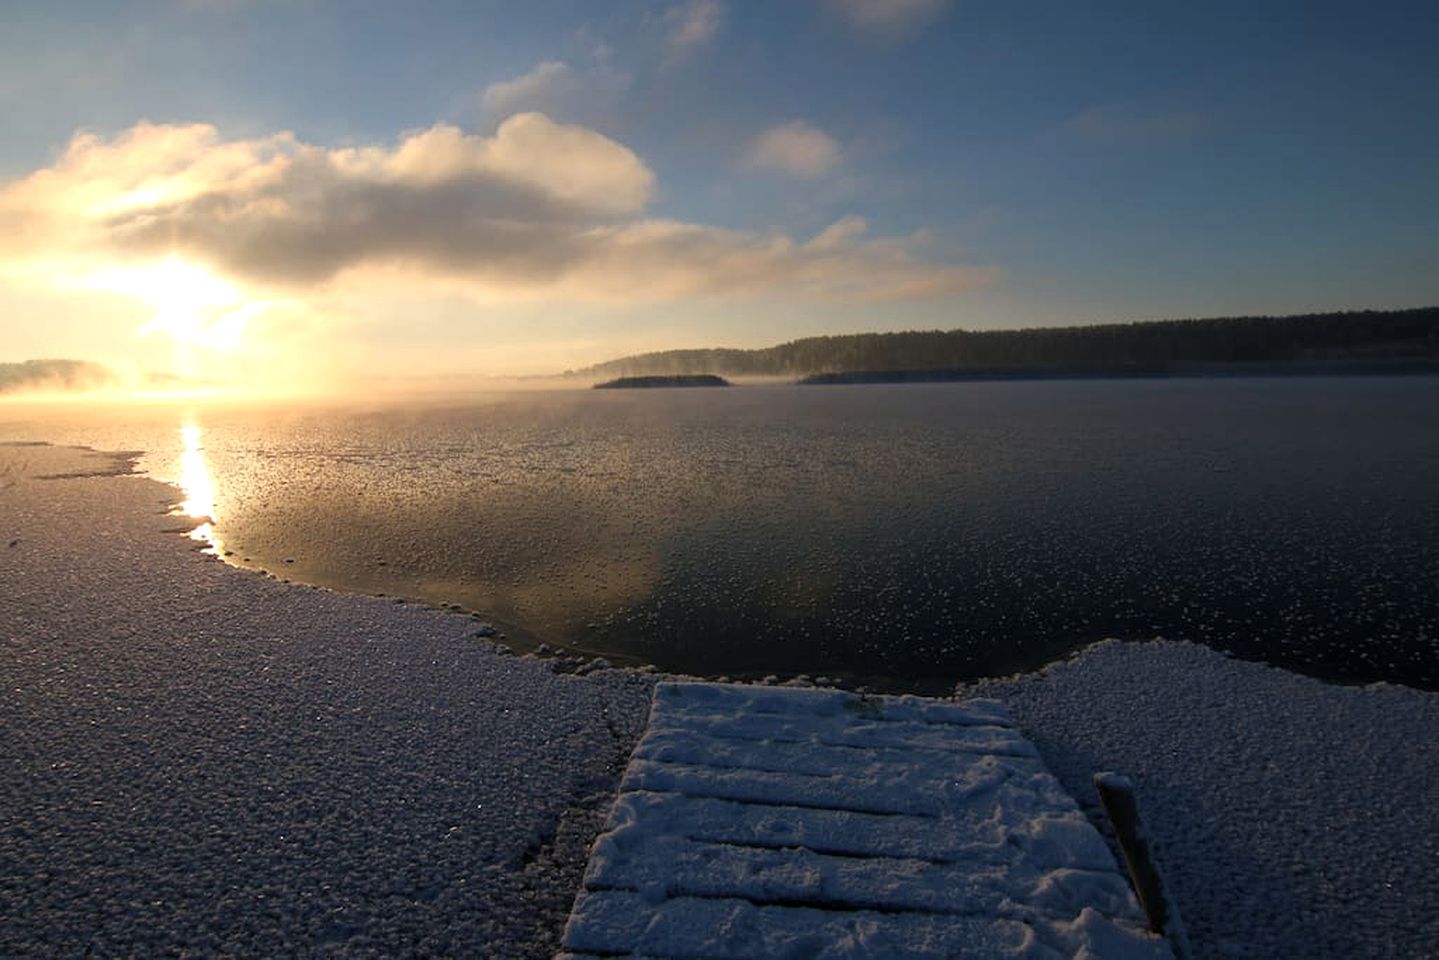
304,233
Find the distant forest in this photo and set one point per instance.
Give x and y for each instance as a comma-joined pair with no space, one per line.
1367,337
54,375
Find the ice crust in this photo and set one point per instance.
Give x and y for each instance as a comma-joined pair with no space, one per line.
202,761
783,822
1292,818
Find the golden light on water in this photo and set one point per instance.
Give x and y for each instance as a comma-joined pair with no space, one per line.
199,488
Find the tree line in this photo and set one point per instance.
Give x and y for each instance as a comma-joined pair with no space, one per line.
1334,338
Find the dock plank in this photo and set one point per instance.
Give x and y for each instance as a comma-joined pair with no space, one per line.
668,866
693,928
1046,840
781,822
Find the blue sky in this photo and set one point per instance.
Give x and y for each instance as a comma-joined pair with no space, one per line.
1012,163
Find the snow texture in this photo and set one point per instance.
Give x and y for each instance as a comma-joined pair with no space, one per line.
1291,818
786,822
202,761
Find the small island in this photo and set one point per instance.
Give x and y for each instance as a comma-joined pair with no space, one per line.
676,380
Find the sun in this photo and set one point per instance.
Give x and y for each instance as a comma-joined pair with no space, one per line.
192,305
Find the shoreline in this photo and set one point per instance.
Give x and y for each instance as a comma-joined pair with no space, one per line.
1235,370
204,761
211,761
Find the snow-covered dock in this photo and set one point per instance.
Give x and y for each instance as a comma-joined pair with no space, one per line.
784,822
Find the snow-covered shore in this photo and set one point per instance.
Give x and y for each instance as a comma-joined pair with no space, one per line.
1295,818
200,760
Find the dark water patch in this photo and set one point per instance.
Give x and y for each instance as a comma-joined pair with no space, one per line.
903,536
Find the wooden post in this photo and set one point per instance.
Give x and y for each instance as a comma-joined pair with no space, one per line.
1117,795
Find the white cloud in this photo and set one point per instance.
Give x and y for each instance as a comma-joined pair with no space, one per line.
840,234
555,88
690,26
537,210
891,15
795,148
535,90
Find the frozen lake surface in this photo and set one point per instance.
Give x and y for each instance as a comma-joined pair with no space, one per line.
904,536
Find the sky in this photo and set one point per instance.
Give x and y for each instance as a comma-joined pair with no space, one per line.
295,190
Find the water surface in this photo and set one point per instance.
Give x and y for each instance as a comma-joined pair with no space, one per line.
910,535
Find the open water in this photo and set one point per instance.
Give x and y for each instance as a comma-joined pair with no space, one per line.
905,536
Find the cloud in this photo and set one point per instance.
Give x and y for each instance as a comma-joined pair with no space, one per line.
671,260
535,90
280,210
795,148
840,233
555,88
690,26
891,15
536,210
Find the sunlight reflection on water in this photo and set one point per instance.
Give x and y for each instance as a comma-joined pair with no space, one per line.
199,489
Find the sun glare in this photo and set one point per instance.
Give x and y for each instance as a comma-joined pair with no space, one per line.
193,306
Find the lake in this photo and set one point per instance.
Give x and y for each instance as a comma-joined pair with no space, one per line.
900,536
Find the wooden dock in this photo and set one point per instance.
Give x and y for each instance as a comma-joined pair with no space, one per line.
788,822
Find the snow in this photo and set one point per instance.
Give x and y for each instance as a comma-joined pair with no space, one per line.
199,760
791,822
1290,818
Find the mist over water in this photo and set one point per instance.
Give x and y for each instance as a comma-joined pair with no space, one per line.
909,536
